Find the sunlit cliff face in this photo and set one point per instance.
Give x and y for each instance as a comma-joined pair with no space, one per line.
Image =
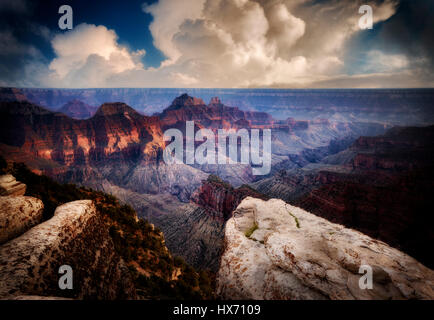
116,131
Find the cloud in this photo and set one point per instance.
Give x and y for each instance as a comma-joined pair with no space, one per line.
238,43
183,79
245,43
19,61
380,62
168,16
284,28
402,79
410,32
88,55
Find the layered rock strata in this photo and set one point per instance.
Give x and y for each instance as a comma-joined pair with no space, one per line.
11,187
76,236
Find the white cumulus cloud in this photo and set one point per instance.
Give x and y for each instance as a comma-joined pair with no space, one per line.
88,54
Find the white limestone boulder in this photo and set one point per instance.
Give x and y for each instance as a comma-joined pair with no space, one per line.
276,251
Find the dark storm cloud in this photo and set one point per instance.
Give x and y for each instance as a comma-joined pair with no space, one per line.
24,43
411,31
411,28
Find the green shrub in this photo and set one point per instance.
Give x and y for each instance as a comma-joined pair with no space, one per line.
250,231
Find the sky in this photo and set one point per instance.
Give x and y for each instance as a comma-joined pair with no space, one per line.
217,44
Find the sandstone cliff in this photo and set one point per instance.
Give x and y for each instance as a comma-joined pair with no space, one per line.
11,187
117,252
17,215
276,251
77,109
75,236
115,132
219,198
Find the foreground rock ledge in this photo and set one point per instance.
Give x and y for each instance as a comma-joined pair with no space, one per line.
75,236
11,187
276,251
17,215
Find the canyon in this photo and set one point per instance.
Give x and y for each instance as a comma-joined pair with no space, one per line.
119,151
335,168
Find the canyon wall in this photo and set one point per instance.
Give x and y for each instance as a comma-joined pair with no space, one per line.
75,236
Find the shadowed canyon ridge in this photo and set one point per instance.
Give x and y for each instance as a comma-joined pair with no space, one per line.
365,168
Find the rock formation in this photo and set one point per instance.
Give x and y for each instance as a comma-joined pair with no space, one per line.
11,187
379,185
193,230
75,236
364,105
115,132
124,148
78,109
215,115
197,231
17,215
276,251
112,252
